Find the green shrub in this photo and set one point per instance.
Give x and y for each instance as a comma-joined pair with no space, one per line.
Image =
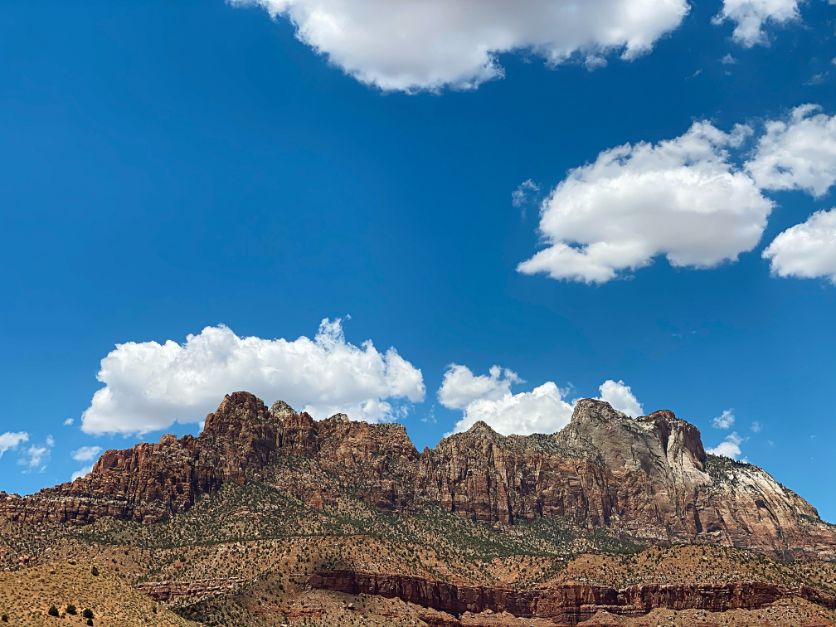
5,618
53,611
90,621
94,571
88,613
71,610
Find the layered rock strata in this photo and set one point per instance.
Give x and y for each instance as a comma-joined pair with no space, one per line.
565,604
648,477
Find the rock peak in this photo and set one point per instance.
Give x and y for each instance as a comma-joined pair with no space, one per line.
661,414
281,410
235,410
648,477
239,400
239,396
480,427
595,409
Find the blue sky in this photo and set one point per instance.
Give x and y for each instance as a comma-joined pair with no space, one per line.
167,167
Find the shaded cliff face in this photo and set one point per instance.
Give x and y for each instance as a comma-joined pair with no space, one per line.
648,477
566,604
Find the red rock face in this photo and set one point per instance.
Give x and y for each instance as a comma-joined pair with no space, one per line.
567,604
649,477
602,469
240,442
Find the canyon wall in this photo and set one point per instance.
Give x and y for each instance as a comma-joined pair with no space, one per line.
647,477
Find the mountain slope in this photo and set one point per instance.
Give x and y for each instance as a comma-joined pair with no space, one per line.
648,477
270,516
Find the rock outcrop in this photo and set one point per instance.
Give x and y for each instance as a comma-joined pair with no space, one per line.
648,477
241,441
565,604
168,591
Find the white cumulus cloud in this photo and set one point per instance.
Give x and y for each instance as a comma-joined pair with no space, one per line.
10,440
729,447
81,472
544,409
621,397
148,386
681,198
797,153
806,250
35,458
411,45
86,453
460,386
724,421
751,17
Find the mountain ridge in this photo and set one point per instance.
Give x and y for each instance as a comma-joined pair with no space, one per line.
271,517
648,477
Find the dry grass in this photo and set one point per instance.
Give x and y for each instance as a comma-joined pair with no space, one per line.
698,565
268,541
26,596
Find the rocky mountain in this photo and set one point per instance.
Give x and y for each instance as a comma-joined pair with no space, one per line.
606,484
648,477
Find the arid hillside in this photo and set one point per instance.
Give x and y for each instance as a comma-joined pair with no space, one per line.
271,517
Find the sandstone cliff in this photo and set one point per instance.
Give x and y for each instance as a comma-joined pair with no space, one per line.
566,604
647,477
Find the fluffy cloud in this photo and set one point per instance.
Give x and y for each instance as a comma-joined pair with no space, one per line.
681,198
542,410
797,153
621,397
81,472
10,440
730,447
412,45
86,453
806,250
489,398
460,386
750,17
520,196
724,421
69,422
149,386
36,457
